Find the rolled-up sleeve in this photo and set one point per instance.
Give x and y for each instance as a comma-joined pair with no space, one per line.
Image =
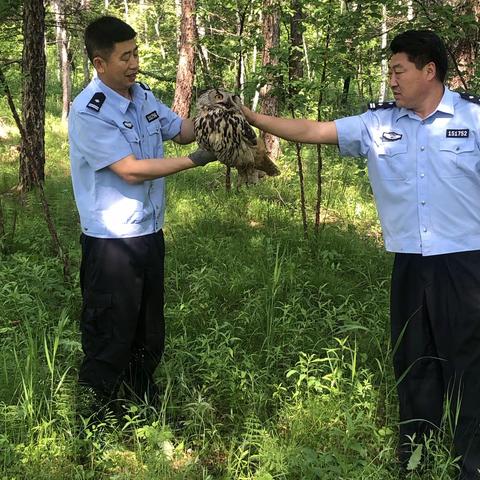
100,143
353,137
170,122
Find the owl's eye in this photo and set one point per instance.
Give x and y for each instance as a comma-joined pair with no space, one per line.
218,96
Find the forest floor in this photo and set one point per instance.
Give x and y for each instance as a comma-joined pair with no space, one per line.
277,362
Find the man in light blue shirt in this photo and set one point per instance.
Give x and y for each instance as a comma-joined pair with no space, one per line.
116,131
423,154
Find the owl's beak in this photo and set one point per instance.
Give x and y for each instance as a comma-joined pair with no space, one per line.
229,103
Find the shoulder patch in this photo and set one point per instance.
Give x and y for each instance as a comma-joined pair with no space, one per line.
470,97
96,101
144,86
381,105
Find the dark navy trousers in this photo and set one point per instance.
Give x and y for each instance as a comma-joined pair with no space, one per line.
122,322
435,321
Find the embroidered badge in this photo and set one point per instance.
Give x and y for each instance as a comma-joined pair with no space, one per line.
391,136
96,101
457,133
151,116
128,124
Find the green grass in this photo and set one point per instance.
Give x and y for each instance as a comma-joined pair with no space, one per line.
277,363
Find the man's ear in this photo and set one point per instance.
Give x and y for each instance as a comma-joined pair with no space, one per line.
99,64
431,70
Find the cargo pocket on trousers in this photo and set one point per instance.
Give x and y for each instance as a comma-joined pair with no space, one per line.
97,323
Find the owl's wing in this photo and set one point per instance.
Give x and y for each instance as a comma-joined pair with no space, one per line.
248,132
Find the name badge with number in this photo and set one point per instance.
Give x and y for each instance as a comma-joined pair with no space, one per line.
457,133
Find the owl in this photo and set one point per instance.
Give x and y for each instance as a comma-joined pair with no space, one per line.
221,127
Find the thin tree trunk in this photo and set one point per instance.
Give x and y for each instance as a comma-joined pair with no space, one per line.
295,74
202,54
318,204
240,78
254,69
85,6
64,61
32,152
186,62
410,12
63,255
384,68
270,104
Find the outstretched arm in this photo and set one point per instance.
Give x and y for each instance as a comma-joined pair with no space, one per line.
294,129
137,171
187,132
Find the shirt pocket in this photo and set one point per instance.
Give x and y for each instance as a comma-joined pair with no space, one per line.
154,140
392,161
458,157
133,140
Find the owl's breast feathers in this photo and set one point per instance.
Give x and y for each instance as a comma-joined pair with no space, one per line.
227,134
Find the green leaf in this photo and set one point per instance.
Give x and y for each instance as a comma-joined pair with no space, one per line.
415,458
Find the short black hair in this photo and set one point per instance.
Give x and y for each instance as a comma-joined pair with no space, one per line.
422,47
102,34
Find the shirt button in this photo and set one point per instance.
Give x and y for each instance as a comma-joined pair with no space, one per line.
422,175
422,148
423,202
425,229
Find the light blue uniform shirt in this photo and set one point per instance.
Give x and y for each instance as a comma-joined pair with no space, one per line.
105,127
425,173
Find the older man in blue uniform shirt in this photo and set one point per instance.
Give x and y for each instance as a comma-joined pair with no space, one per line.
423,154
116,131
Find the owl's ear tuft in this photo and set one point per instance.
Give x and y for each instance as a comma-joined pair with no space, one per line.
202,91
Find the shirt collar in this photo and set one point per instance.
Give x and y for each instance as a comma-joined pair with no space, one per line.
446,103
120,101
445,106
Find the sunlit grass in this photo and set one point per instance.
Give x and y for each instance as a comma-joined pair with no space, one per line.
277,363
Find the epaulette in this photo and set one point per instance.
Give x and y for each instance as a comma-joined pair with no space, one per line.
144,86
96,101
470,98
380,105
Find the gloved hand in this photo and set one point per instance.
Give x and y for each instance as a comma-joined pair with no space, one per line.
202,157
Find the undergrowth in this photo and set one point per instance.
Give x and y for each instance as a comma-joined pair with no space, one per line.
277,362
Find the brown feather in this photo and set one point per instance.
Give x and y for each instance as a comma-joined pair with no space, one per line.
221,127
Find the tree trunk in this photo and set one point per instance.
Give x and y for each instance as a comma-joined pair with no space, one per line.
186,60
240,78
270,104
64,61
202,54
32,153
464,51
85,5
295,67
318,203
384,67
295,74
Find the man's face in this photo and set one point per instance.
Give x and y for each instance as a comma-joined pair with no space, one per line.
119,71
409,84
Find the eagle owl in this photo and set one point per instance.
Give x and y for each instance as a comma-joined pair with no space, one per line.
221,127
